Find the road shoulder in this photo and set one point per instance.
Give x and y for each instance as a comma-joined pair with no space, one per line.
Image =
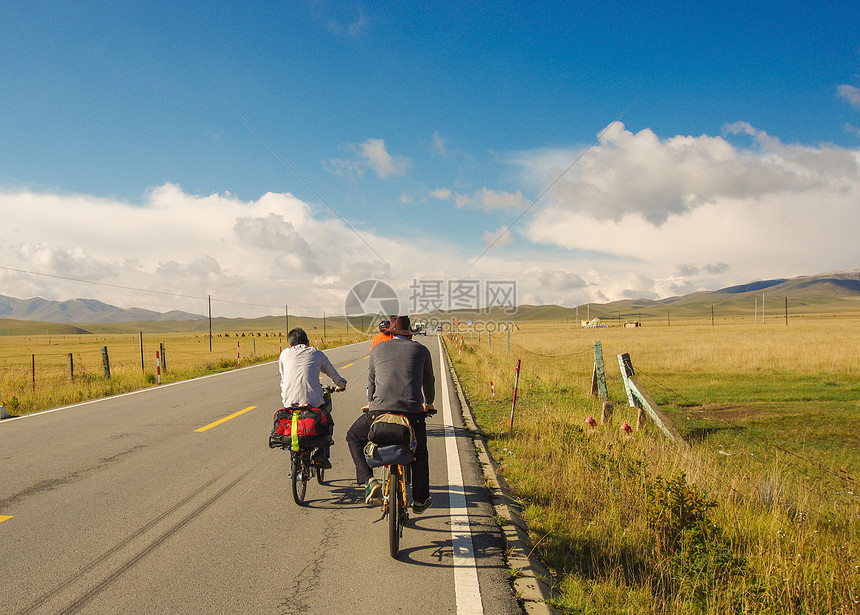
531,584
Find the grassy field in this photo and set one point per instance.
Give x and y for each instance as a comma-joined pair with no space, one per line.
35,371
760,515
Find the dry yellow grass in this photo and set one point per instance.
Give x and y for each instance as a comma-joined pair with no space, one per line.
35,373
767,409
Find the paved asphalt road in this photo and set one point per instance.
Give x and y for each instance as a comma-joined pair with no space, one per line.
122,506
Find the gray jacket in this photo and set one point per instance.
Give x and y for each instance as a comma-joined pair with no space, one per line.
400,376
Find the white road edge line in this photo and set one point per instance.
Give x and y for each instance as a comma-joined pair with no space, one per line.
466,589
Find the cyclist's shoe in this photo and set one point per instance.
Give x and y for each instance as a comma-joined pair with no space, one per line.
321,461
420,507
371,493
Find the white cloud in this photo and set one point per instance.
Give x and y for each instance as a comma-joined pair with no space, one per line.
377,158
700,206
336,21
64,261
437,145
356,27
490,200
204,267
561,280
850,94
639,174
690,270
255,252
373,155
273,251
687,270
498,238
279,236
443,194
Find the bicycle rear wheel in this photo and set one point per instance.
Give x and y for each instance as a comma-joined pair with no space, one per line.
321,476
394,502
300,475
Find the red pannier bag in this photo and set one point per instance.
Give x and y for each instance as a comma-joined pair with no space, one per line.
313,426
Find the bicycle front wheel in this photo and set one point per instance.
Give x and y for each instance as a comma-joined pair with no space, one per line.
300,475
395,486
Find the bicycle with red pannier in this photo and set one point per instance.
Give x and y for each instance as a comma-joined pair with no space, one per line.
304,430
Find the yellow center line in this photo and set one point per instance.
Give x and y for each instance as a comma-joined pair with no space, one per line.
367,357
225,419
347,365
4,518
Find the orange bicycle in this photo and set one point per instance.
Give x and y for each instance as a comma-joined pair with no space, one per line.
396,462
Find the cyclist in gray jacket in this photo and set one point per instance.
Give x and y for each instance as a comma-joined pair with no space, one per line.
400,380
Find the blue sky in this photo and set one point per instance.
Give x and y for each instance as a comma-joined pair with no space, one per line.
132,148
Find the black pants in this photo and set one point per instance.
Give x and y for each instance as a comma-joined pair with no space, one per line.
325,408
356,439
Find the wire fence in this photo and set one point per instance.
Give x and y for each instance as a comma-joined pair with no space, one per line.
36,373
529,374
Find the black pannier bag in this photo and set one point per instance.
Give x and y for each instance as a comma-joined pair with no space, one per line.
389,429
314,428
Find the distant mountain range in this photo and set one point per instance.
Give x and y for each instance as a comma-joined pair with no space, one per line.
82,311
832,291
836,284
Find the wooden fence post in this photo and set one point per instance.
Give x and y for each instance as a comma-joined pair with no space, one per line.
645,402
163,358
105,362
71,368
598,374
140,335
516,387
606,412
626,371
